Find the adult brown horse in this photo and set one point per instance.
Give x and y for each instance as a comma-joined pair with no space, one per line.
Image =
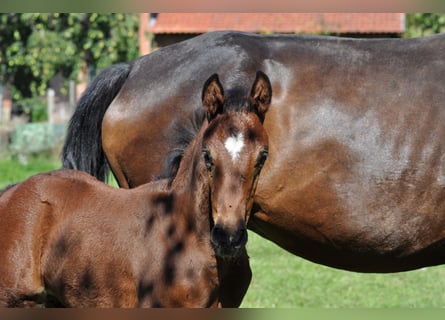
68,239
356,176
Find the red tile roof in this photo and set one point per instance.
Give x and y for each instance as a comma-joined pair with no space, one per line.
279,22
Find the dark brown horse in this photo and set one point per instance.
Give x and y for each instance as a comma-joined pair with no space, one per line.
356,176
70,240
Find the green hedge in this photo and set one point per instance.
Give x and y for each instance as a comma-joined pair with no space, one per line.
38,137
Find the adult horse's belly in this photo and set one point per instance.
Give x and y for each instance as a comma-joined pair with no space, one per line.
360,191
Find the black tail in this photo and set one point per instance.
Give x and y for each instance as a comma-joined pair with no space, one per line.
83,145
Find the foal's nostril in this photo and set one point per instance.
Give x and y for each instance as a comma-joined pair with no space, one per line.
239,237
221,237
228,244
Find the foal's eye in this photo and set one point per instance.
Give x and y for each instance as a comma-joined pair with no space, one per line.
262,158
207,159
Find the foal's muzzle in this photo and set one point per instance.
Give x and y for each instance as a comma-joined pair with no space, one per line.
228,243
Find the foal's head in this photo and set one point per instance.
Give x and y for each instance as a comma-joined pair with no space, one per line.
234,148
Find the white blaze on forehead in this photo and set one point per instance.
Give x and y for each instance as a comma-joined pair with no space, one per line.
234,145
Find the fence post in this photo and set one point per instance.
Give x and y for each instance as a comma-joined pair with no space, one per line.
72,94
50,110
1,102
72,98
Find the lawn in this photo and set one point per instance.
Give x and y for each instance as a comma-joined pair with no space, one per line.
283,280
12,170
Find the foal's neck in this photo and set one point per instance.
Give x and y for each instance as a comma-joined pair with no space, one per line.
191,184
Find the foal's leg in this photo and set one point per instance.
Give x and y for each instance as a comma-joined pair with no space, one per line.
20,279
19,287
103,286
39,300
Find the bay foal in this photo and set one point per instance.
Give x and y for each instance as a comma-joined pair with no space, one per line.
70,240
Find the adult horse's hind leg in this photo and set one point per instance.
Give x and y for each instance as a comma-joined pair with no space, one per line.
235,276
144,155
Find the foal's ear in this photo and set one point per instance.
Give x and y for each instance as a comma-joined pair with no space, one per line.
213,97
261,94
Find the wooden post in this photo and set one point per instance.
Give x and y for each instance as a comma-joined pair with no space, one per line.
1,103
71,100
144,45
72,94
50,110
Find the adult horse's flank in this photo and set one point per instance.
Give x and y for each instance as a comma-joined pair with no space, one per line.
356,176
68,239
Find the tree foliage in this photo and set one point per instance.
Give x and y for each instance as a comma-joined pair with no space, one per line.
424,24
34,47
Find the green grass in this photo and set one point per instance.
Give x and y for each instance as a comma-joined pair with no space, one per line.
283,280
12,171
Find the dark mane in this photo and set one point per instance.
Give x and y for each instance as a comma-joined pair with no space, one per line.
236,99
185,132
